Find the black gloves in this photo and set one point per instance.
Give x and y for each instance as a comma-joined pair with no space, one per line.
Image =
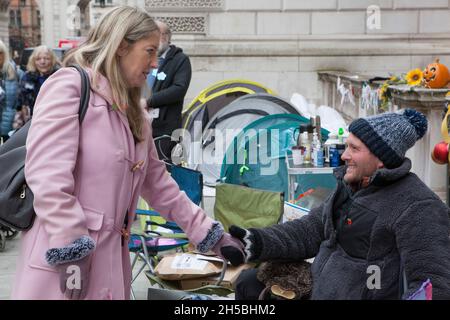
252,246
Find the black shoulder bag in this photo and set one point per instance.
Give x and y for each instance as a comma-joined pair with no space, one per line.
16,198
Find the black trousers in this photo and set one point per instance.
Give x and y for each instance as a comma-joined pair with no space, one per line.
164,147
248,287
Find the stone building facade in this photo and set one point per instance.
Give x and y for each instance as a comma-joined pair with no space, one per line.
4,21
73,18
24,25
284,43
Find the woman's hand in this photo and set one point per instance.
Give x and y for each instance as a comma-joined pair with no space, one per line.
249,248
74,278
231,243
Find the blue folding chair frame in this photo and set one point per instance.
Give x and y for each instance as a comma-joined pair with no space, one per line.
191,182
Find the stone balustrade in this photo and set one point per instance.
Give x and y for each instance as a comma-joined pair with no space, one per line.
351,106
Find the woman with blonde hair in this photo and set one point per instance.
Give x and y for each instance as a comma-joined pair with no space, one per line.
87,178
41,65
8,92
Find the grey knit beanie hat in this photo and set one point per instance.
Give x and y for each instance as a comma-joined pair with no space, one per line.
390,135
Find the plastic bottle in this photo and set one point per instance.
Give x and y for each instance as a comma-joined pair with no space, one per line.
319,157
317,151
314,142
341,135
334,156
341,148
330,143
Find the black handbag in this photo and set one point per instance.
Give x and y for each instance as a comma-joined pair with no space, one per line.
16,198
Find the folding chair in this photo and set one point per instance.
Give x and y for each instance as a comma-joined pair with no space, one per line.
247,207
157,235
238,205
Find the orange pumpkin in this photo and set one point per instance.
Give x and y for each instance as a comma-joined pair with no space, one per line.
436,75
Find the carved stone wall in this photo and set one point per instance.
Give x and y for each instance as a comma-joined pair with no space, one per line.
174,13
185,24
184,4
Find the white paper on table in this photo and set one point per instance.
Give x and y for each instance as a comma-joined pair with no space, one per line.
188,261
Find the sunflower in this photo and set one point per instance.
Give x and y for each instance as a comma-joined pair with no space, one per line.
414,77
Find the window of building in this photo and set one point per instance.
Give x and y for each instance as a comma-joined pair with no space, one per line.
15,18
103,3
12,18
38,16
19,18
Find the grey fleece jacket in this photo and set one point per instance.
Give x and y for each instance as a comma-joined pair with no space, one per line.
411,229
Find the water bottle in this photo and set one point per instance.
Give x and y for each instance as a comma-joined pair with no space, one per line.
334,156
318,157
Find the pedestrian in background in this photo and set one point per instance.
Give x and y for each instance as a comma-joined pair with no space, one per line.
169,82
41,65
9,80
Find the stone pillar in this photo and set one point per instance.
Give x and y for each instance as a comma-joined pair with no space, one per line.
431,102
4,21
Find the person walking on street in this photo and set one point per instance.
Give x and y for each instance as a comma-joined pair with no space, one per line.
9,82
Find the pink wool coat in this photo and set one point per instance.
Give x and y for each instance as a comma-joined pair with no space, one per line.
83,185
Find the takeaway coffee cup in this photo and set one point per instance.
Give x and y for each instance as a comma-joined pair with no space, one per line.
297,156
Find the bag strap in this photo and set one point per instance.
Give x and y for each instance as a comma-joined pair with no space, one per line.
85,91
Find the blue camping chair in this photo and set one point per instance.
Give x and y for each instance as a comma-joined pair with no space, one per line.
158,235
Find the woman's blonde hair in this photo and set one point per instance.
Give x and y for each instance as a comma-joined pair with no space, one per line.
123,23
7,68
31,65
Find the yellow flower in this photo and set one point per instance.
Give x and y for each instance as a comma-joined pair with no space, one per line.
414,77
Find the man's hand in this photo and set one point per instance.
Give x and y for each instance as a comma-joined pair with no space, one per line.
247,239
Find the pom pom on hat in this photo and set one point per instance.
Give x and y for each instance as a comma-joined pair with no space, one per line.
418,120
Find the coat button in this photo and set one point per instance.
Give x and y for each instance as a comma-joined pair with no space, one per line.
137,165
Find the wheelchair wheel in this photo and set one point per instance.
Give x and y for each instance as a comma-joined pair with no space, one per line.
2,241
10,233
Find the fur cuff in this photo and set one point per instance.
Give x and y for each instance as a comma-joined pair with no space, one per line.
213,236
77,250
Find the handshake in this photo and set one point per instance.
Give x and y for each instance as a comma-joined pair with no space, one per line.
238,246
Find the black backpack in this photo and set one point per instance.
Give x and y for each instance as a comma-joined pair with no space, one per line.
16,198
